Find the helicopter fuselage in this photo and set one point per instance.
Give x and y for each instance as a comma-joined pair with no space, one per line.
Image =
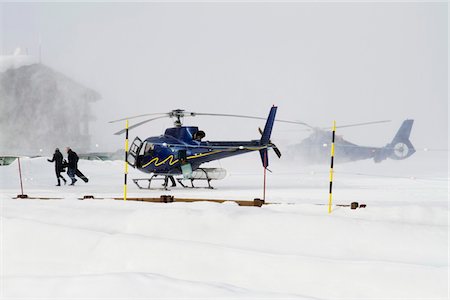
166,154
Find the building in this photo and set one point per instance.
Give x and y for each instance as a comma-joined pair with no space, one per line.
41,109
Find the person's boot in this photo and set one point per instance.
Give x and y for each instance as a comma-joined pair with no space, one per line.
73,181
65,181
59,183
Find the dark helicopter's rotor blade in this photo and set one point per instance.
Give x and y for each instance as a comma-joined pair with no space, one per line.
138,116
229,115
181,113
250,117
359,124
138,124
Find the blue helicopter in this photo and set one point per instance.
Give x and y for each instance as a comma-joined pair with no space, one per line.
181,149
315,148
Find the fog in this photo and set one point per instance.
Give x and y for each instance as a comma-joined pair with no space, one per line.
349,62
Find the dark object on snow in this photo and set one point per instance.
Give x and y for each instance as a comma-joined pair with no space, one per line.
81,175
166,198
354,205
65,164
258,202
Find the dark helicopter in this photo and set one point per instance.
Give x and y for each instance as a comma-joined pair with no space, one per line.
315,149
180,150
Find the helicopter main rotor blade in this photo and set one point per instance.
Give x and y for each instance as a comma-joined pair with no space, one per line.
359,124
138,116
179,113
138,124
250,117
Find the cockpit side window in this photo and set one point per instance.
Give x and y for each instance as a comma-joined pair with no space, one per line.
199,135
146,149
142,148
149,147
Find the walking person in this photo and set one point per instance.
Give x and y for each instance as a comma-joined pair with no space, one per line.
72,164
58,159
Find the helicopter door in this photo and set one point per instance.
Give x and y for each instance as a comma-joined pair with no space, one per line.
186,167
133,152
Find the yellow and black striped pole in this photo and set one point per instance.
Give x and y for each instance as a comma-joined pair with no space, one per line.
126,162
330,198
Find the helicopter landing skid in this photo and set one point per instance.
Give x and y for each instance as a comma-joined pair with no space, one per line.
149,182
180,181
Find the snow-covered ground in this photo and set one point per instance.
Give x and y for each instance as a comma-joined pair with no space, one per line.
395,248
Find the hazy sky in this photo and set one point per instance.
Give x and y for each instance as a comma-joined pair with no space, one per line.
352,62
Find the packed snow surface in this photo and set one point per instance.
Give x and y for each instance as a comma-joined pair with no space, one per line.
395,248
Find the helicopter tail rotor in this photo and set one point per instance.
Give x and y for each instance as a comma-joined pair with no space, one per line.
265,138
276,150
272,145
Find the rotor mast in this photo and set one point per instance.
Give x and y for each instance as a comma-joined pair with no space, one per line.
178,114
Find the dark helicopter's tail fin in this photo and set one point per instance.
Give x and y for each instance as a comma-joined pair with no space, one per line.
265,138
404,132
400,147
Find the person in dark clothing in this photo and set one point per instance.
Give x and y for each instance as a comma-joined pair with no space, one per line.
72,164
166,180
58,159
